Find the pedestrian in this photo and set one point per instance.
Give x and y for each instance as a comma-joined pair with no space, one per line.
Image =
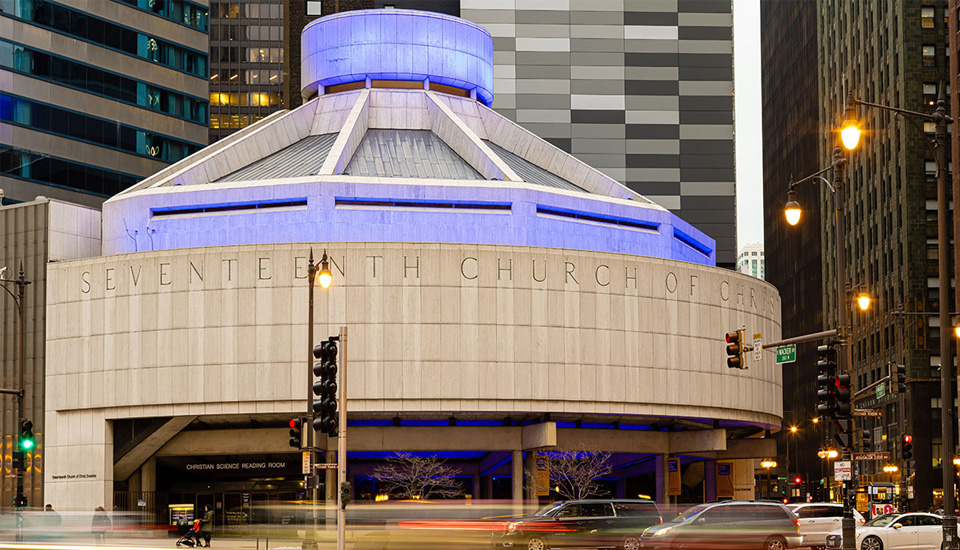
101,524
51,517
206,528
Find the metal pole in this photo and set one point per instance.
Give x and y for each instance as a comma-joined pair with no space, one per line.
342,442
309,540
946,360
843,324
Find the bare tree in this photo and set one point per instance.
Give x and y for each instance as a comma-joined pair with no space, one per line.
575,474
421,478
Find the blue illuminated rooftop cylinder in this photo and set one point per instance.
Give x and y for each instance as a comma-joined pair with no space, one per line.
397,45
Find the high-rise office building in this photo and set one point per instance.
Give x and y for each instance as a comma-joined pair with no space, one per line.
788,45
96,97
640,89
750,260
895,54
246,63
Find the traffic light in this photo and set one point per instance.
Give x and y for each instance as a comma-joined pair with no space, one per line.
296,433
843,396
827,380
843,431
325,388
346,494
907,449
19,501
27,441
735,357
901,378
866,440
798,480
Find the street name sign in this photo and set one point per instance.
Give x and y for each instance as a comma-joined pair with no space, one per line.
842,470
871,456
868,412
758,347
326,465
786,354
881,390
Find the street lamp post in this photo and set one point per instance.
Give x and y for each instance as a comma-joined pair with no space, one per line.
793,212
21,283
939,148
317,274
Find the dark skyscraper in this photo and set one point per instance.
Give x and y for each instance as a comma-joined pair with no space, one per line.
95,98
793,254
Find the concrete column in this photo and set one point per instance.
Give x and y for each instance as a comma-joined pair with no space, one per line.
148,476
489,492
660,463
710,480
517,462
743,480
621,490
530,494
475,477
133,482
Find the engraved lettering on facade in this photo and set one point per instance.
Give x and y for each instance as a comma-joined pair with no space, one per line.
671,282
476,268
725,291
415,267
626,273
570,268
85,282
110,285
300,267
230,263
693,284
135,277
606,270
195,271
374,264
508,269
263,264
535,272
164,274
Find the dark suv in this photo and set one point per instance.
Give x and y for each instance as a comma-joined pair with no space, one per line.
733,525
582,523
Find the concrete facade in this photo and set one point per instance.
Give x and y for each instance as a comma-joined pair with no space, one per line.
429,335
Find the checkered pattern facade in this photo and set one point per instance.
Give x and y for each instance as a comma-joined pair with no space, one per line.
640,89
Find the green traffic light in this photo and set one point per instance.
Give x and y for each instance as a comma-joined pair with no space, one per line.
27,444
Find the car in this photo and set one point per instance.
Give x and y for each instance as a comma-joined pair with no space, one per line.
818,519
733,525
595,523
919,531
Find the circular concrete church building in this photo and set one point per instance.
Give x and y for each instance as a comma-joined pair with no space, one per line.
502,300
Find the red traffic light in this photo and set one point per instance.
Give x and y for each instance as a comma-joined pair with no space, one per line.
798,480
295,423
908,439
733,337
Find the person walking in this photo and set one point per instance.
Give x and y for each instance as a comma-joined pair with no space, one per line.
100,525
206,528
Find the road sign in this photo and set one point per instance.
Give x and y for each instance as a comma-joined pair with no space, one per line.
306,462
871,456
786,354
868,412
881,390
326,465
842,470
758,347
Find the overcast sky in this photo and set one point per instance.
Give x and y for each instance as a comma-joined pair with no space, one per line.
746,35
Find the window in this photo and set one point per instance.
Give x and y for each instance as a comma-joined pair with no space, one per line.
596,510
928,520
42,168
313,7
926,18
929,93
929,53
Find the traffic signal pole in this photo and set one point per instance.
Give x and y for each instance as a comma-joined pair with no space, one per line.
342,444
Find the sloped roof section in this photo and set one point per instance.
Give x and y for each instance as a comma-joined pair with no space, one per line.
408,154
531,173
303,158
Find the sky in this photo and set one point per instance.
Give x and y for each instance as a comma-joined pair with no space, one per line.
749,143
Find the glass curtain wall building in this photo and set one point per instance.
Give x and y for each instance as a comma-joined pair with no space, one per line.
99,97
246,64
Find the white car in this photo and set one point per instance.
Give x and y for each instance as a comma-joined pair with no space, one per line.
916,531
818,519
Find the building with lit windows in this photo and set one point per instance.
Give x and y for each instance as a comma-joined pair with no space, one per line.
750,261
96,97
246,63
502,298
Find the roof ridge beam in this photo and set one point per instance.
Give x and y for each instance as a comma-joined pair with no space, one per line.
350,136
455,133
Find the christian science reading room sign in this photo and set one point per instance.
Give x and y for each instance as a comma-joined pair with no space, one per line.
194,272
